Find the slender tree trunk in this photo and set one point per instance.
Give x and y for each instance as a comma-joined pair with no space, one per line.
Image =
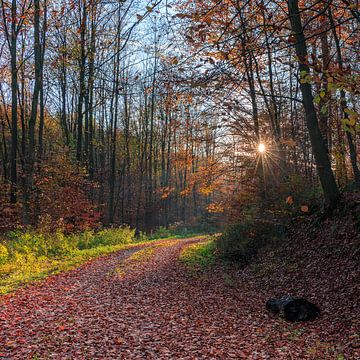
30,156
82,86
114,114
326,175
343,106
14,115
91,92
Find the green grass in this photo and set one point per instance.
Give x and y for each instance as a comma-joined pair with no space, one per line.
199,256
30,256
181,232
30,268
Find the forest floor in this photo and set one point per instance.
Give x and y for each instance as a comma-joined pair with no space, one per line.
143,303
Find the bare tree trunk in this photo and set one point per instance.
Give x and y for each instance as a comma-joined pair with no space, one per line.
114,115
30,156
82,87
14,90
343,106
326,175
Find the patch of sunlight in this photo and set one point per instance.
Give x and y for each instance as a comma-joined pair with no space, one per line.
141,256
133,261
199,256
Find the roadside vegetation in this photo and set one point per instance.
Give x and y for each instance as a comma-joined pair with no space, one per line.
200,256
32,255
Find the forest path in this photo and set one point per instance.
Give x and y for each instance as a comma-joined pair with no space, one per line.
140,304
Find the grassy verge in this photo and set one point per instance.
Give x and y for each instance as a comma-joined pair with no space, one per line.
199,256
29,268
27,257
181,232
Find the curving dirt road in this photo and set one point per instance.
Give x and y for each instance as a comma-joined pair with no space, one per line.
143,304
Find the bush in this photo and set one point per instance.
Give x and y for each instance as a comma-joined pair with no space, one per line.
25,256
162,233
199,256
58,244
4,254
181,229
122,235
241,241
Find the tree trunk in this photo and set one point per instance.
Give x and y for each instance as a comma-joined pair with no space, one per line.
82,88
343,106
325,172
14,89
30,156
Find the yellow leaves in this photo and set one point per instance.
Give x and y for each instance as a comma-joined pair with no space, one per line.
305,77
206,189
215,208
174,60
289,200
352,121
349,122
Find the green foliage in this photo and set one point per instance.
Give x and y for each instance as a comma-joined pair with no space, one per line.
37,244
241,241
199,256
4,253
89,239
182,230
27,256
162,233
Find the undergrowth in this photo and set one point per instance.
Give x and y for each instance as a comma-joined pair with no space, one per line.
241,242
30,256
179,230
199,256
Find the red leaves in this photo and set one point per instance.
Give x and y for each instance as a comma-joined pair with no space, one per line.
160,311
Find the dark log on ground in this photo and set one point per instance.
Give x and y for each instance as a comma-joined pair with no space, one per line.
293,308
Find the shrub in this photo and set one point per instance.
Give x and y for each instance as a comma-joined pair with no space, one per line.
58,244
241,241
84,240
199,256
162,233
114,236
4,254
27,243
180,229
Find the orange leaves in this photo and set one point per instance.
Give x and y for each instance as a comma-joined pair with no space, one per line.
165,192
289,142
174,60
304,208
185,192
215,208
206,189
292,39
290,200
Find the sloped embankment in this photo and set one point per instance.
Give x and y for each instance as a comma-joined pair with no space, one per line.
320,260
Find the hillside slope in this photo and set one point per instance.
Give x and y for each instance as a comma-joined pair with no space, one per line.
320,260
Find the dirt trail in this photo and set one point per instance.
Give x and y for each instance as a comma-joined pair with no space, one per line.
143,304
